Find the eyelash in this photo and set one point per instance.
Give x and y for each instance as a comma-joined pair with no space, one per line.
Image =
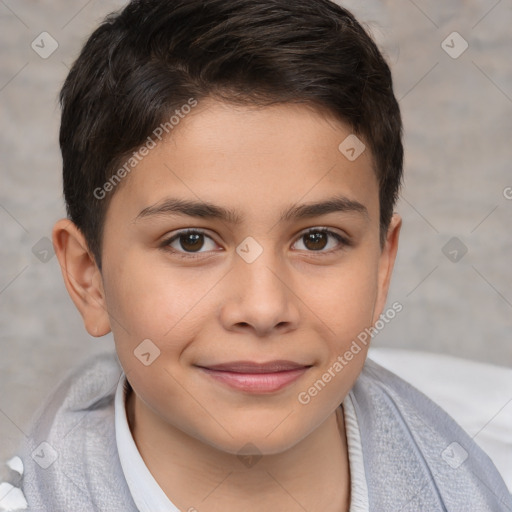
343,241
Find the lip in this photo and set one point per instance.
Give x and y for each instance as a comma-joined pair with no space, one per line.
255,377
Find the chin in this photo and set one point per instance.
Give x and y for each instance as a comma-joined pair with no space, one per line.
259,439
246,446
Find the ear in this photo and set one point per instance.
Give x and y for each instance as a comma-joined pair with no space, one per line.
386,263
82,277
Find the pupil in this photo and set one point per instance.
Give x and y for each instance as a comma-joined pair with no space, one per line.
315,241
192,241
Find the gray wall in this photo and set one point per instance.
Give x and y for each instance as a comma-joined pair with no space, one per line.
458,125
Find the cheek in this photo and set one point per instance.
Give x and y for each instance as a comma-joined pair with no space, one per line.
345,303
150,300
150,293
345,298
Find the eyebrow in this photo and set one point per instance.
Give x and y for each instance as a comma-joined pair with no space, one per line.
201,209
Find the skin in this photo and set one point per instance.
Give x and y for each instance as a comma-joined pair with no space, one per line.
294,302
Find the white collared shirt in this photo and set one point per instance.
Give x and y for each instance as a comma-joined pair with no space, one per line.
149,496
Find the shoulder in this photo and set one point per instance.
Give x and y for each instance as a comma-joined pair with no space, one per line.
70,454
421,453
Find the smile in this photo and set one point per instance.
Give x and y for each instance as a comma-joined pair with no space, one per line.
256,377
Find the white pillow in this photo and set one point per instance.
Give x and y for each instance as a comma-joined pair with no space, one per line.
478,396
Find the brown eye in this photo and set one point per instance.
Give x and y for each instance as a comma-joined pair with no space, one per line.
190,242
321,240
315,241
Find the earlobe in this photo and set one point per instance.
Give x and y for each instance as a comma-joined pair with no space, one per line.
81,276
386,264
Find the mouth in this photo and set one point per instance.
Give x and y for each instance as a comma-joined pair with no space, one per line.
255,377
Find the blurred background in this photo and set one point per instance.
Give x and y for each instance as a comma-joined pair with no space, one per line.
452,69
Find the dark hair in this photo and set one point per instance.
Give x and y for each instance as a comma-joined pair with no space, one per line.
148,60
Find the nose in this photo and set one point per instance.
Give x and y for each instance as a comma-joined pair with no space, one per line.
261,298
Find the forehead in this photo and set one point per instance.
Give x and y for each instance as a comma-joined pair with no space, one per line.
252,159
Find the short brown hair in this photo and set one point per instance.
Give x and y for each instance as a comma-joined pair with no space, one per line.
149,59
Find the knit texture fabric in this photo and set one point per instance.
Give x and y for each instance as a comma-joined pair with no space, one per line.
416,457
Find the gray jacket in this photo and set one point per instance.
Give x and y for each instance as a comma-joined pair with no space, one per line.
416,458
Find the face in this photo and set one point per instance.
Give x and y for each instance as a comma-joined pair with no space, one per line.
246,249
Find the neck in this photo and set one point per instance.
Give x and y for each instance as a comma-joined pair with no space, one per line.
312,475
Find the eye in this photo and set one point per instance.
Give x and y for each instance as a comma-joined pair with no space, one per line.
190,241
320,240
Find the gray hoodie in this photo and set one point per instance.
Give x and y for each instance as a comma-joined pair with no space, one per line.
416,458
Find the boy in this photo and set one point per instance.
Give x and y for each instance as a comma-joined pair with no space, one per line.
230,173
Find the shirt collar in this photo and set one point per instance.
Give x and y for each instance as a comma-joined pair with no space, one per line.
146,493
149,496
